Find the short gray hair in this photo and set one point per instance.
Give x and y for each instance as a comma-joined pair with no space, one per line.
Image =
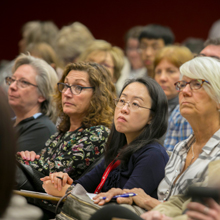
46,81
206,68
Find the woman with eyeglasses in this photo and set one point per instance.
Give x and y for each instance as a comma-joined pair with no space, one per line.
84,99
199,98
133,155
102,52
30,96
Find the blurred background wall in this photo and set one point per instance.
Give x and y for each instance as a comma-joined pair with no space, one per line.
107,20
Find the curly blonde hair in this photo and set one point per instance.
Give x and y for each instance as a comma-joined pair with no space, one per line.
102,106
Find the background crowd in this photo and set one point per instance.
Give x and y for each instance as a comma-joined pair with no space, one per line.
78,106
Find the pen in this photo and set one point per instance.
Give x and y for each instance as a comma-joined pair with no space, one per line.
123,195
59,177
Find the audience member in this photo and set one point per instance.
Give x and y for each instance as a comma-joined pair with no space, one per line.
11,206
199,102
32,32
194,44
167,63
47,53
179,128
31,88
102,52
214,31
84,99
152,38
71,41
133,67
36,32
132,150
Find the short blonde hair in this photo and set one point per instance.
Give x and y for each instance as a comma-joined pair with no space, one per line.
72,40
115,52
177,55
46,80
102,105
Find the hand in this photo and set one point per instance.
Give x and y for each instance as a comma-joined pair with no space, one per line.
28,155
154,215
112,192
141,199
200,212
50,189
58,183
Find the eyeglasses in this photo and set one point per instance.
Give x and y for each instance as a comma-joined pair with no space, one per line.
75,89
120,103
20,83
194,84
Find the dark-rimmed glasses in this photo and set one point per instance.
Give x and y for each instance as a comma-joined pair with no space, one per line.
194,84
75,89
20,83
120,103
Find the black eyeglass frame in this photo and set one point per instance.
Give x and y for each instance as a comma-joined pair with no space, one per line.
69,87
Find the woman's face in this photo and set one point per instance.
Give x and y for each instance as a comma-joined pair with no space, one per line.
132,53
128,121
194,103
24,100
104,58
166,74
76,106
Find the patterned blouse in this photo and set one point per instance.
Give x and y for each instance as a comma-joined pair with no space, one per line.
72,152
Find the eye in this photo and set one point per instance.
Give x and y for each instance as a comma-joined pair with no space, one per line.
23,82
135,104
121,101
78,88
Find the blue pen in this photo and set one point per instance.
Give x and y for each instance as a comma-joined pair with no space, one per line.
123,195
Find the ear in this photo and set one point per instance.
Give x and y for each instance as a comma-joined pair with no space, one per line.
218,107
150,119
41,99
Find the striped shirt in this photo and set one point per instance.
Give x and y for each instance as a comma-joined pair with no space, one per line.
196,172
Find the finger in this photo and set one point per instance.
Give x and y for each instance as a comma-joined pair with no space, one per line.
27,155
197,215
52,177
22,154
70,180
32,155
37,157
45,178
122,200
213,204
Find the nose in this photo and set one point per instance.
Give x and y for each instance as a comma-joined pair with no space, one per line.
149,51
13,85
68,92
187,90
163,76
125,108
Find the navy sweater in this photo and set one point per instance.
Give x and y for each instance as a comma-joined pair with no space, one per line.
145,170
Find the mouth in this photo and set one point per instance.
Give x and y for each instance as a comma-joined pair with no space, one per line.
122,119
148,62
68,103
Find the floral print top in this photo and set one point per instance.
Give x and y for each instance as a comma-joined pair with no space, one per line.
71,152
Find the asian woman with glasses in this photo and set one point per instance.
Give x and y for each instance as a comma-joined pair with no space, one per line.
133,155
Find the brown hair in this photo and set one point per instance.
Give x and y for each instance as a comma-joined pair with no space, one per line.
102,106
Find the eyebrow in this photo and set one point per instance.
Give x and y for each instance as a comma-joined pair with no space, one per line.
135,97
77,80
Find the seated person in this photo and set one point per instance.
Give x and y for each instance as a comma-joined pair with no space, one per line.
167,63
31,87
102,52
84,99
152,38
179,128
133,149
11,206
199,99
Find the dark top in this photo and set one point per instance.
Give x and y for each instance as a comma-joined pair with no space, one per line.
71,152
145,170
34,132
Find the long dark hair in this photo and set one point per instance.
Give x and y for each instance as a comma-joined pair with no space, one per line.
7,152
151,132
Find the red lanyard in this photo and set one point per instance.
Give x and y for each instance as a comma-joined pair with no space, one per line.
109,168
